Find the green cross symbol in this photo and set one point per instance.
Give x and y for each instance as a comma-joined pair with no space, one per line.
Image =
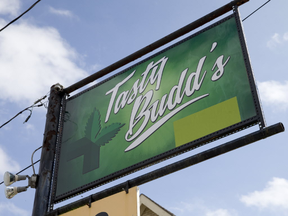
89,145
90,152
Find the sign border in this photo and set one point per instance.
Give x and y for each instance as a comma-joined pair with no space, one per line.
257,119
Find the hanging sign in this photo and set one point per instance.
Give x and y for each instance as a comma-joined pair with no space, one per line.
195,91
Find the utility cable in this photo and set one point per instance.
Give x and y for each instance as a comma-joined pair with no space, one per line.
24,169
32,159
20,15
30,108
255,10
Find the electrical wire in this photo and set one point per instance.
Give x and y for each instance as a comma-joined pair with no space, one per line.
24,169
32,159
30,108
255,10
20,15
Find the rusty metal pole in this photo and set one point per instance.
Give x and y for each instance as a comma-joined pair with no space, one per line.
42,194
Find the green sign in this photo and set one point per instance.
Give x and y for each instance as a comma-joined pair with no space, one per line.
197,90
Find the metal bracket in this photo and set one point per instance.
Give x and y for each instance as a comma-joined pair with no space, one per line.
127,187
58,87
33,181
90,201
51,207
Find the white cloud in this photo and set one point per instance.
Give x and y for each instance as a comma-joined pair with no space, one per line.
7,164
274,93
285,36
10,7
277,40
198,208
60,12
32,59
219,212
9,208
273,196
29,127
95,68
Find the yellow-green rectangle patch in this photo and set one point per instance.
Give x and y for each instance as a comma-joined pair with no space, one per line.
206,121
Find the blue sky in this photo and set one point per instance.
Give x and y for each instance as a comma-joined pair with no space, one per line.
65,41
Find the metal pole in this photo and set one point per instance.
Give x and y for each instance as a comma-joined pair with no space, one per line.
205,19
42,194
192,160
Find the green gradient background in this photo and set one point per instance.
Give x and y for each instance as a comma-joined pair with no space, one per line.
234,83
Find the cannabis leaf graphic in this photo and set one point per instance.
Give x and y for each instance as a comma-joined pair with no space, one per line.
93,125
89,145
106,135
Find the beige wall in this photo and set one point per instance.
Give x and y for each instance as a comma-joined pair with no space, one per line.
120,204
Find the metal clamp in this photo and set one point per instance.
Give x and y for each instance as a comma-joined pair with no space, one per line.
90,201
127,187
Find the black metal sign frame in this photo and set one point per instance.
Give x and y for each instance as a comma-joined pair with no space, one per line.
258,119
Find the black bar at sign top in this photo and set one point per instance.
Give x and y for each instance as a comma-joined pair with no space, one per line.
184,30
195,159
